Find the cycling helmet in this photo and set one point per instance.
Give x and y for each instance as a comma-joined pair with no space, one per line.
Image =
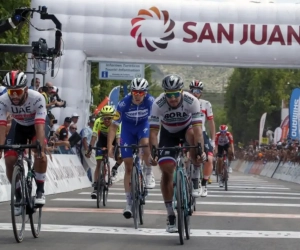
3,90
107,111
139,84
172,82
196,84
223,128
15,79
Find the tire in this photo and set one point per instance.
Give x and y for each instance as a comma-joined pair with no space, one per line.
188,209
100,184
135,199
35,212
141,194
106,189
180,209
16,177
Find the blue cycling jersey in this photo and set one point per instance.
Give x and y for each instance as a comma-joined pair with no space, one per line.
128,112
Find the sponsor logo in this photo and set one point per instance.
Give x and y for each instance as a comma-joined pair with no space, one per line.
38,100
176,115
142,24
20,110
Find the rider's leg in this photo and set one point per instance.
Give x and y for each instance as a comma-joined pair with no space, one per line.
98,158
143,135
197,189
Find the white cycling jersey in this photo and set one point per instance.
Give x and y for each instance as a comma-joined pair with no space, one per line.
206,112
33,111
175,119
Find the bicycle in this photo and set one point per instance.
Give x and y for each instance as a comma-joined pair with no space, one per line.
21,191
182,196
225,170
102,185
138,186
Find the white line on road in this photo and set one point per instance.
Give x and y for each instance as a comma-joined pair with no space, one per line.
198,202
161,232
220,196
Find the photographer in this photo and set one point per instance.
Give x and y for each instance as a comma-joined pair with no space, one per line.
48,92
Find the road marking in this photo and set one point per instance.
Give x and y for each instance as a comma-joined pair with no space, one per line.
198,202
161,232
163,212
219,196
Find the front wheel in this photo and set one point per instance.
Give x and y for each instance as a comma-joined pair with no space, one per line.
100,184
180,208
18,203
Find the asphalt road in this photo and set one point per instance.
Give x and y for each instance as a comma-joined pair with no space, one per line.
256,213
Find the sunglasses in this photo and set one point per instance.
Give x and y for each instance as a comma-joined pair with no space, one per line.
74,128
196,91
223,132
17,92
175,94
138,92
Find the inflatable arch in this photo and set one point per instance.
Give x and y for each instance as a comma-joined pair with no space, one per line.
166,32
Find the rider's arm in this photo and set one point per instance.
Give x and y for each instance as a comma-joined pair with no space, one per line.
197,122
96,128
211,121
113,128
230,137
154,124
39,121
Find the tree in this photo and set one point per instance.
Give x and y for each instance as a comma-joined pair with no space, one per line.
10,61
251,92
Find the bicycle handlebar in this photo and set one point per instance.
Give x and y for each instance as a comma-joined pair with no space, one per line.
177,149
21,147
104,150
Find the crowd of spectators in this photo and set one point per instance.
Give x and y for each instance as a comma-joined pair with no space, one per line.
287,151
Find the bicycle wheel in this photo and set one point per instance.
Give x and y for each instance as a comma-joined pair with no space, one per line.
141,198
100,184
187,201
135,198
35,214
225,176
180,209
106,187
18,203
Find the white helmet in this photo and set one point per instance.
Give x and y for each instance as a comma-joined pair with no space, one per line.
172,82
139,84
15,79
196,84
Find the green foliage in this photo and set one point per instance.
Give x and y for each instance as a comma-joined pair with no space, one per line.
9,61
251,92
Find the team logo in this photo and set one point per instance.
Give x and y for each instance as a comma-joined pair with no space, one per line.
140,30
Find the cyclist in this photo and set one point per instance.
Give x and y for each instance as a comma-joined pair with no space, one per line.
196,88
224,142
133,111
178,113
100,131
28,108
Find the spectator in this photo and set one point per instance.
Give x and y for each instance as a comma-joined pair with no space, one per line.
47,92
35,85
63,131
90,161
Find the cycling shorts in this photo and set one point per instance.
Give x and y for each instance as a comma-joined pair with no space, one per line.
221,149
131,134
101,143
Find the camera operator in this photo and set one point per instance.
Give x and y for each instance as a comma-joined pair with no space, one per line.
54,96
47,92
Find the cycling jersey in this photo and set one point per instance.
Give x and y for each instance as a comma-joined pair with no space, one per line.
206,112
130,113
222,140
175,119
99,127
33,111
